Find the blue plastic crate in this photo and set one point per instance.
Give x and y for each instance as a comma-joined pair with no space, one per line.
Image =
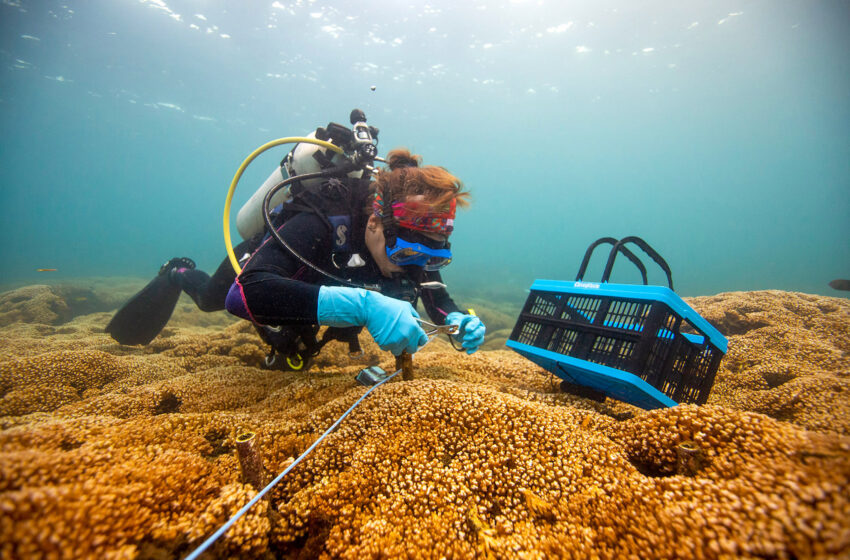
639,344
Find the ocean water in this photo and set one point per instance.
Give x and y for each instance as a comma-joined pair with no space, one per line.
719,131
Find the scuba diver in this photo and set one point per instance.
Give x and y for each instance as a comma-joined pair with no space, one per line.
388,236
145,314
391,242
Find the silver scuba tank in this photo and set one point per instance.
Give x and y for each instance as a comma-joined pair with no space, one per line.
301,160
249,220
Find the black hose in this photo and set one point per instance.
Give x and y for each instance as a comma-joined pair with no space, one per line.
333,171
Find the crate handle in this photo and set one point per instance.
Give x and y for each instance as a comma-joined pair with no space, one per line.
611,241
646,249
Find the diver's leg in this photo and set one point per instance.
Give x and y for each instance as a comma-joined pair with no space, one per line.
210,292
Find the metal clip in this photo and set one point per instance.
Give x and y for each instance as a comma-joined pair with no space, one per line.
432,329
371,376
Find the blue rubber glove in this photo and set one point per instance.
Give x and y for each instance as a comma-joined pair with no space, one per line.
471,330
391,322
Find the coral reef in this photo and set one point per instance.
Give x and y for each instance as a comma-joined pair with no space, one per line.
492,474
129,452
789,356
43,383
50,305
33,304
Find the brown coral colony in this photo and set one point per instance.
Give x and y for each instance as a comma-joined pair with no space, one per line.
110,451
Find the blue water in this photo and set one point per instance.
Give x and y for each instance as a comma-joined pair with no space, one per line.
719,131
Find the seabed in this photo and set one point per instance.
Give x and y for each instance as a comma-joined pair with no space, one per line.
110,451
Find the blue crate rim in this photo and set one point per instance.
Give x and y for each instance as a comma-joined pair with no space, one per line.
649,293
648,392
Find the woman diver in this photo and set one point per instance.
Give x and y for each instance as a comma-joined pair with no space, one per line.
390,235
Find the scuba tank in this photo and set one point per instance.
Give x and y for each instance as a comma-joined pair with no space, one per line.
303,159
249,220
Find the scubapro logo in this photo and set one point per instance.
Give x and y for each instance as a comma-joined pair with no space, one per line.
341,235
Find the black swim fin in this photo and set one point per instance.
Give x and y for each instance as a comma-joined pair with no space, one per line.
147,312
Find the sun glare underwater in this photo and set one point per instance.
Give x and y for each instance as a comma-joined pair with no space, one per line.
717,131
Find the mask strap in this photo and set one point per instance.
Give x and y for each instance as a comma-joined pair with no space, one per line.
387,218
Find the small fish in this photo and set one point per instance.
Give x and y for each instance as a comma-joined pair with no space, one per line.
840,284
46,269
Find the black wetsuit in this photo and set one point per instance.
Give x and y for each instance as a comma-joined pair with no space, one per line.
275,288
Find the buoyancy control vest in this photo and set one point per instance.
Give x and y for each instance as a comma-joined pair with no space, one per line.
339,203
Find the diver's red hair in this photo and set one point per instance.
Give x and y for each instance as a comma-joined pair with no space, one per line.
403,178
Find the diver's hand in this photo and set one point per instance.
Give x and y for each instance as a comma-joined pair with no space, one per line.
391,322
470,330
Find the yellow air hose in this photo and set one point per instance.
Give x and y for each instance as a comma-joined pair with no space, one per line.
228,244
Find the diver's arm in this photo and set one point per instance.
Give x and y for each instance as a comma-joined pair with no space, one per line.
442,310
437,302
270,289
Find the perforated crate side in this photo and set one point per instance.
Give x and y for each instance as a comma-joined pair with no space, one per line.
604,330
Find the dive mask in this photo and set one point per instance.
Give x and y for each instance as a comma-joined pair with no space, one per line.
420,250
